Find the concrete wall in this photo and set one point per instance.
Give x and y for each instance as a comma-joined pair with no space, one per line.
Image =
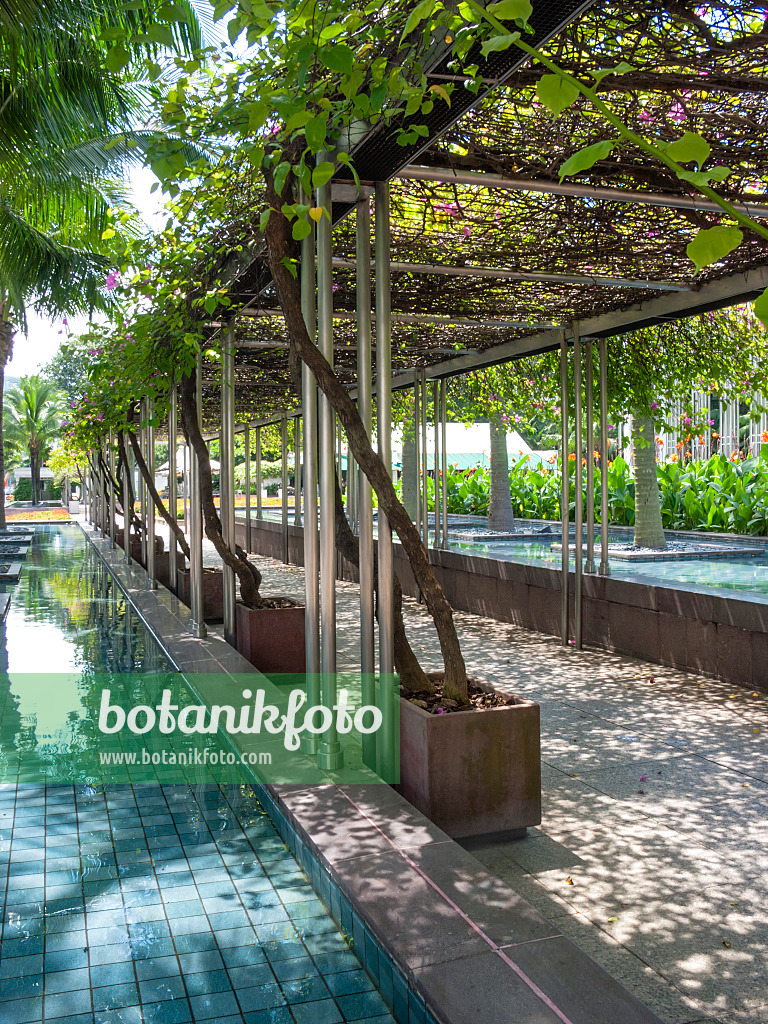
724,637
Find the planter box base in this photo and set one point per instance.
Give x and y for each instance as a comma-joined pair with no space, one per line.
473,772
213,593
272,639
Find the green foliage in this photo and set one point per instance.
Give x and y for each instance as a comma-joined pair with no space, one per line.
708,495
23,490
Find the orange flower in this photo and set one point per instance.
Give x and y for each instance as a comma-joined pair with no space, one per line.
596,453
764,437
675,456
552,459
734,456
572,456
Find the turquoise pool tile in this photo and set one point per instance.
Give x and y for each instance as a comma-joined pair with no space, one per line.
242,955
336,961
274,1015
156,990
361,1005
203,960
291,970
22,1011
305,990
23,988
252,976
323,1012
114,996
67,1004
175,1012
65,960
185,908
213,1005
65,940
157,967
348,983
208,982
114,974
261,997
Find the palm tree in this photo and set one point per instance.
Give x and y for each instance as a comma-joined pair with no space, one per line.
32,423
68,122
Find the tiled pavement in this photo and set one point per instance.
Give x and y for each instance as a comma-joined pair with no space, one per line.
653,851
164,905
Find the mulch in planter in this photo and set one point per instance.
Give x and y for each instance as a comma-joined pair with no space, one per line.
436,704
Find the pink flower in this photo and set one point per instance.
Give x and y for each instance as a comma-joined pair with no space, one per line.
111,281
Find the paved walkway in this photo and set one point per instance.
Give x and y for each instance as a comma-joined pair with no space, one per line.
653,850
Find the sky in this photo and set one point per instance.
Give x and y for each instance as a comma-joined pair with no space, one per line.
32,352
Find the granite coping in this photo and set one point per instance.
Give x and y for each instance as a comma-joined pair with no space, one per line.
472,948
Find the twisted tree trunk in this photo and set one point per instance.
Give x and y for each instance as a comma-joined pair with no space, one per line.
247,573
412,675
500,514
172,522
282,251
649,530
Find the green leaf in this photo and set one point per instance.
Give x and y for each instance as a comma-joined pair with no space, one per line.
691,148
315,132
301,229
338,58
117,58
719,173
441,92
496,43
761,312
556,93
712,244
620,69
586,158
322,174
420,13
211,303
281,173
511,10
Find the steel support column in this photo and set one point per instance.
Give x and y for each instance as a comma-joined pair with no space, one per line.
565,496
578,481
603,358
436,465
141,436
364,500
384,436
424,479
444,445
284,485
329,753
589,565
196,621
311,540
227,474
173,547
126,501
112,506
296,471
149,458
247,447
259,509
417,450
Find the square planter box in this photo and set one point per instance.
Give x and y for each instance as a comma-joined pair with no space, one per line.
272,639
74,507
213,593
162,565
473,772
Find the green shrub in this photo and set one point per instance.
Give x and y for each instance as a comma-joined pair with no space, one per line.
23,490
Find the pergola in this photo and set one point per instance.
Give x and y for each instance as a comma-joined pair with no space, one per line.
481,255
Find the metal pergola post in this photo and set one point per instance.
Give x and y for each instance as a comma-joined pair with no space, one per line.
126,502
364,499
149,458
227,475
311,540
329,752
247,446
172,490
424,478
384,438
141,436
589,565
186,457
565,496
296,471
112,496
284,484
603,359
436,465
444,445
417,447
259,509
197,620
578,481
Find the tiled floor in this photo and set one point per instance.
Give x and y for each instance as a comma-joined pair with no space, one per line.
164,905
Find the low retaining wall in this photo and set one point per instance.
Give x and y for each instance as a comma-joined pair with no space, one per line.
725,637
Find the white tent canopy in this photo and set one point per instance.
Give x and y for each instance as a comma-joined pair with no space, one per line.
25,473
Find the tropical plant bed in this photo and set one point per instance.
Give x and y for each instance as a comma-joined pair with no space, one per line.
48,515
272,638
473,771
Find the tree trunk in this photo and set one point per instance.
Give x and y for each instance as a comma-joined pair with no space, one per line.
500,514
34,472
159,503
247,573
410,469
649,531
6,351
282,250
412,675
